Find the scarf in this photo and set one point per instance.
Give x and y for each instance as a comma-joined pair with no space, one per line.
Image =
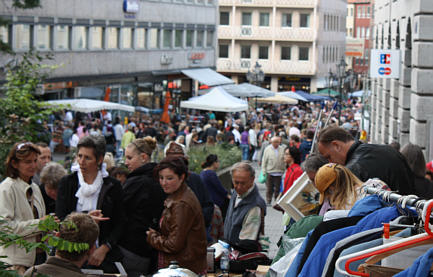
86,191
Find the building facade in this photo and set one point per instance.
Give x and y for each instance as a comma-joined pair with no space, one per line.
123,46
295,41
402,108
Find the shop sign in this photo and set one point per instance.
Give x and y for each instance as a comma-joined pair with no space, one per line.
131,6
385,63
166,59
354,47
196,57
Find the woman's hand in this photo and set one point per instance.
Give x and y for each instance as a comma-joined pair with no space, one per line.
98,256
98,216
150,231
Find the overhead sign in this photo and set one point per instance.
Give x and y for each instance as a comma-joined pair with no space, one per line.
355,47
131,6
385,63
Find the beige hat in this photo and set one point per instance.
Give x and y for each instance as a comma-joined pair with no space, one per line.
325,176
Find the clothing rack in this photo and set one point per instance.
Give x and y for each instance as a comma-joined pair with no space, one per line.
392,197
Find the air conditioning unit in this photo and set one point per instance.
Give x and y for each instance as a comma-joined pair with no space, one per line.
245,63
246,31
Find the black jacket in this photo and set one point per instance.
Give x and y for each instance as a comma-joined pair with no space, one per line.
109,201
196,185
381,161
423,188
143,201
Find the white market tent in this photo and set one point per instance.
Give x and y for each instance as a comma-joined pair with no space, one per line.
247,90
217,99
278,99
88,105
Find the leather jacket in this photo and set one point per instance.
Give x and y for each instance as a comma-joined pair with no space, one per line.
182,235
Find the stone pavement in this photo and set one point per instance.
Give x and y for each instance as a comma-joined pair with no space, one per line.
273,220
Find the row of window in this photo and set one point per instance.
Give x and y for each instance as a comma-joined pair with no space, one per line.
264,19
65,37
263,52
331,54
191,2
363,11
332,22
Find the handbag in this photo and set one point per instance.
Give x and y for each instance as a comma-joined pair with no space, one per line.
262,177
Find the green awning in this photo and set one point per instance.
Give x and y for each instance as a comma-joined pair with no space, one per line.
327,92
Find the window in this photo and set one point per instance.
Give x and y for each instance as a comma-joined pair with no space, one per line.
351,11
200,39
113,38
359,12
223,51
362,32
140,38
189,38
367,32
286,53
80,37
245,51
303,53
22,36
43,36
224,18
153,38
358,32
263,52
264,19
246,19
178,38
4,34
97,38
62,37
167,37
286,20
209,39
368,11
126,38
304,20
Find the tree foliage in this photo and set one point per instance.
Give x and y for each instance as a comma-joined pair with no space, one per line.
227,155
21,115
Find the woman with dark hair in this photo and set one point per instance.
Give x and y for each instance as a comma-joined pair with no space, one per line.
143,201
182,235
217,192
292,158
21,203
415,158
89,188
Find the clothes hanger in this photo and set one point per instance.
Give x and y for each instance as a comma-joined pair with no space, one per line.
400,244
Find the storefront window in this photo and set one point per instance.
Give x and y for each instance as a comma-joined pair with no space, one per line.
97,37
62,37
80,37
22,36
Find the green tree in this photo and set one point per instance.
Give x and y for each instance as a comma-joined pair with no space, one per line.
21,115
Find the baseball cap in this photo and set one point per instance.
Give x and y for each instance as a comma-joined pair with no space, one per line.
325,176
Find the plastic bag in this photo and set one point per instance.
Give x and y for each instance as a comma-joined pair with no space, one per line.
262,177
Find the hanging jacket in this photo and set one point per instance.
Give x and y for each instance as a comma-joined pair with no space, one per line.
419,268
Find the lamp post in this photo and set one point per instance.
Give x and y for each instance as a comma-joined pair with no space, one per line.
256,76
341,76
330,78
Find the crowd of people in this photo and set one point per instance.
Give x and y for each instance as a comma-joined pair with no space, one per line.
153,210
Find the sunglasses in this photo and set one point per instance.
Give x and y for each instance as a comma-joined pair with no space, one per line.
21,145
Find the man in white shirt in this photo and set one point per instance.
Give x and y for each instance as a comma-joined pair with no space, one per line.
252,136
118,133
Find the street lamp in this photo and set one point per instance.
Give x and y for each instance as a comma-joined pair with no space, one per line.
256,76
330,78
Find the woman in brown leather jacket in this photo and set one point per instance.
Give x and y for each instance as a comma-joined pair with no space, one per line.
182,235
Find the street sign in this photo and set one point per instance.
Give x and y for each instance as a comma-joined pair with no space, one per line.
385,63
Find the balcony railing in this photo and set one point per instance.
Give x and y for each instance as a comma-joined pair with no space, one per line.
265,33
269,67
269,3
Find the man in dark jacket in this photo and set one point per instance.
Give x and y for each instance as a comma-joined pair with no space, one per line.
366,160
244,221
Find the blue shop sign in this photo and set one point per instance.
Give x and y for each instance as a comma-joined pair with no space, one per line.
131,6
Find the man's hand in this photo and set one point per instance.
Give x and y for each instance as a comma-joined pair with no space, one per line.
98,256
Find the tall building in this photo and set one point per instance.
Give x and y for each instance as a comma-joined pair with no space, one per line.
295,41
115,46
402,108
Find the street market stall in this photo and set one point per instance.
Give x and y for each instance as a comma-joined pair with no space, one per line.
88,105
217,99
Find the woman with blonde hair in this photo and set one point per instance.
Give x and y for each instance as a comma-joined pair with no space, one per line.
338,187
143,201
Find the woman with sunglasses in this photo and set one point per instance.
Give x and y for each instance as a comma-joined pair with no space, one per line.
21,204
89,188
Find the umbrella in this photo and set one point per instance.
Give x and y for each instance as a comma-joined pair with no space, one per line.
88,105
360,93
217,99
247,90
311,97
293,95
278,99
327,92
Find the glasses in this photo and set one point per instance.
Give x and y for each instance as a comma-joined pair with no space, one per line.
21,145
